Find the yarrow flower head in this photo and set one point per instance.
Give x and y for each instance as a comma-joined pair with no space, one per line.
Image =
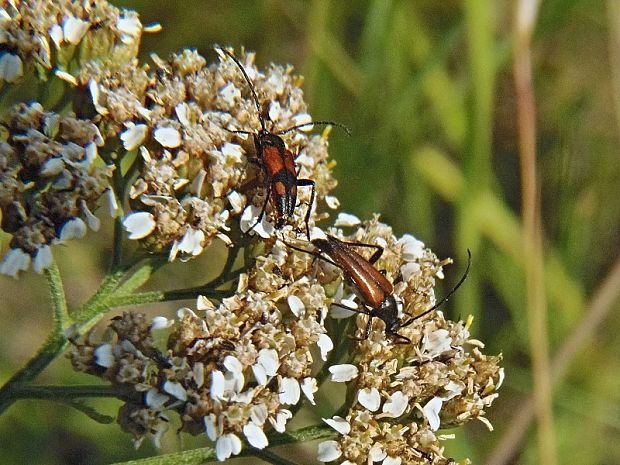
195,172
43,35
50,183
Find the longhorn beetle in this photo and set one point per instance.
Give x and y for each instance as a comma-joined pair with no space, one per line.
376,291
278,163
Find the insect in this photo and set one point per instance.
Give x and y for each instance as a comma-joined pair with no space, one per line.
278,164
376,291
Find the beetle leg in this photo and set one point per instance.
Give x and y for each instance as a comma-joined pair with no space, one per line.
305,183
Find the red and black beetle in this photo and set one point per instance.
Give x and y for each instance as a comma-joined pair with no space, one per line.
278,164
375,290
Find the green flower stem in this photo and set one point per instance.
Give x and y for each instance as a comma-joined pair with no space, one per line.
199,456
270,457
58,393
59,301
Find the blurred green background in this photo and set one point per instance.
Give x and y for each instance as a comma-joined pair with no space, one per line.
427,88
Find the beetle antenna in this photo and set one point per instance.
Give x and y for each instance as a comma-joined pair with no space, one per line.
311,123
446,297
250,85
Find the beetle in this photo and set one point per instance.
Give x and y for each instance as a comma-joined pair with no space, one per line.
376,291
278,164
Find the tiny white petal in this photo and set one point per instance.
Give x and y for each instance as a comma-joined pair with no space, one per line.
104,356
325,345
203,303
431,412
74,29
112,204
303,118
67,77
236,201
289,391
392,460
139,224
199,373
279,424
233,364
11,67
396,405
129,25
269,360
52,167
175,389
339,424
409,269
436,343
73,228
412,248
328,451
93,222
134,135
211,426
317,233
337,312
332,202
218,384
230,93
167,136
248,220
501,378
260,374
309,387
160,322
227,445
43,259
255,436
14,261
232,152
259,414
453,389
56,34
376,453
182,112
192,242
296,305
346,219
155,399
343,373
369,398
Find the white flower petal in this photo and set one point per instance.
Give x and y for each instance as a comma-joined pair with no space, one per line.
43,259
260,374
199,373
289,391
346,219
168,137
436,343
501,376
279,424
259,414
129,25
14,261
56,34
369,398
192,242
431,412
134,135
412,249
233,364
376,453
309,387
317,233
74,29
232,152
250,215
392,460
139,224
104,356
409,269
11,67
269,360
332,202
325,345
296,305
175,389
343,373
155,399
396,405
236,201
218,384
160,322
73,228
230,93
93,222
211,426
339,424
255,436
227,445
328,451
52,167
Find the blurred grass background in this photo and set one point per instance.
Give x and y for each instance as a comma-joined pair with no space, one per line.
427,88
